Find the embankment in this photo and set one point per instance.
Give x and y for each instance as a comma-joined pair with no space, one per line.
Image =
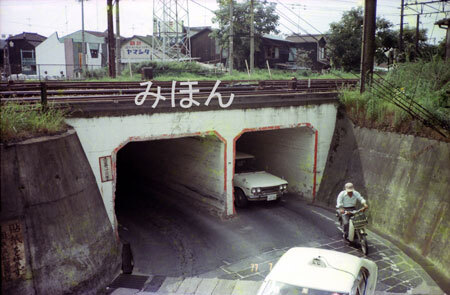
56,236
406,180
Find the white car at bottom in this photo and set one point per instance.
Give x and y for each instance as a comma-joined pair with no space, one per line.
320,272
251,184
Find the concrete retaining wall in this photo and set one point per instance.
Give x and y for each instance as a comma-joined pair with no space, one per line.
406,180
287,153
193,165
56,237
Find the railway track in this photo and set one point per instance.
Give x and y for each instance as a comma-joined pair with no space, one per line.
72,92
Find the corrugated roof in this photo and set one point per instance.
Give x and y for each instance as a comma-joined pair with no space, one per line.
28,36
194,33
275,37
305,38
98,34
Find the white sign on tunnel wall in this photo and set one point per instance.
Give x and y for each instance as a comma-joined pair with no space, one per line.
106,168
13,251
184,102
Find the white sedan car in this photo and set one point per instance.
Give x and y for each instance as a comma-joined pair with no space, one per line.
318,271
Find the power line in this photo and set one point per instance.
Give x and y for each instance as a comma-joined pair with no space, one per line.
293,22
201,5
300,18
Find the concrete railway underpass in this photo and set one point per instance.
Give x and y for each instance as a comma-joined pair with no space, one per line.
194,168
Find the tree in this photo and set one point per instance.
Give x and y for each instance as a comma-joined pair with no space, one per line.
344,40
266,21
345,37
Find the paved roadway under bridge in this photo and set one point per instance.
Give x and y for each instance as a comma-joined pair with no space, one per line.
178,249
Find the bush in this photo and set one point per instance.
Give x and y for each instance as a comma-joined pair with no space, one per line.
97,73
425,82
168,68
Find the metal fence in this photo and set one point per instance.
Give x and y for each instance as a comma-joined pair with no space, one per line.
62,72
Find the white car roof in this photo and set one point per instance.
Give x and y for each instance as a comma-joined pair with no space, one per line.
336,271
241,155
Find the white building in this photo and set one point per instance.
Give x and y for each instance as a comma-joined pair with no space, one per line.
63,57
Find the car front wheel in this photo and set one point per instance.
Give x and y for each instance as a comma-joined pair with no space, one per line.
240,200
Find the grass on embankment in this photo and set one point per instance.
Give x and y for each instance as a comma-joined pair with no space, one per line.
19,121
428,83
178,71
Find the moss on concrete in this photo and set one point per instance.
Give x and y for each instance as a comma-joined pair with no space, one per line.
406,180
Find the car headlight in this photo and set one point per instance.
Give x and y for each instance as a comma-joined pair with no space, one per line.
256,190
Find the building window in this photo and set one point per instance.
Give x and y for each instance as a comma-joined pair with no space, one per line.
94,53
321,52
292,54
272,52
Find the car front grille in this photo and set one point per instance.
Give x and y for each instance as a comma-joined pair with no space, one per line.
270,189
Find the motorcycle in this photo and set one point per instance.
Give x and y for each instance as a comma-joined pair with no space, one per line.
356,229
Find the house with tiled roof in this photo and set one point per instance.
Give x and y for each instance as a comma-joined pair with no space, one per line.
20,54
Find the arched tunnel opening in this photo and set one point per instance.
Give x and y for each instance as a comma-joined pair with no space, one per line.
288,154
161,187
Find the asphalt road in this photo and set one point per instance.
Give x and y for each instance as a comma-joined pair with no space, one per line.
170,238
174,239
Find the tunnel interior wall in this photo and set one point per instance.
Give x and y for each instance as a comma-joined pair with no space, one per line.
406,180
53,212
286,153
192,166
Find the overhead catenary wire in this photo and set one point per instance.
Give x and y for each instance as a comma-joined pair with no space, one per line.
300,17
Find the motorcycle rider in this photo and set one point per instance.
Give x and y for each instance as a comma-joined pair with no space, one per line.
346,201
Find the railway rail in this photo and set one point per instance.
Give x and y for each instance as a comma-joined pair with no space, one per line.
73,92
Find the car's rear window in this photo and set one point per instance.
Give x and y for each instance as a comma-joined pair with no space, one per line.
279,288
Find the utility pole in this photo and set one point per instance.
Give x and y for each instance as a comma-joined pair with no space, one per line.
111,49
368,42
417,35
252,37
230,51
400,39
83,43
117,39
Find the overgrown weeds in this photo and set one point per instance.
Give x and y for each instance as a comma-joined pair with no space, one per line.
184,71
19,121
421,82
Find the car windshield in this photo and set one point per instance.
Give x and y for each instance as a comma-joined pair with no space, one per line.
279,288
245,165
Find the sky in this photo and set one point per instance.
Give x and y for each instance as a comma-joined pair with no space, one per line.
64,16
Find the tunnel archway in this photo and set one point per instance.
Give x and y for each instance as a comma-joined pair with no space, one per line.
193,165
289,153
152,179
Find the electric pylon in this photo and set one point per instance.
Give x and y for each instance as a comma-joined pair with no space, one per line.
171,33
